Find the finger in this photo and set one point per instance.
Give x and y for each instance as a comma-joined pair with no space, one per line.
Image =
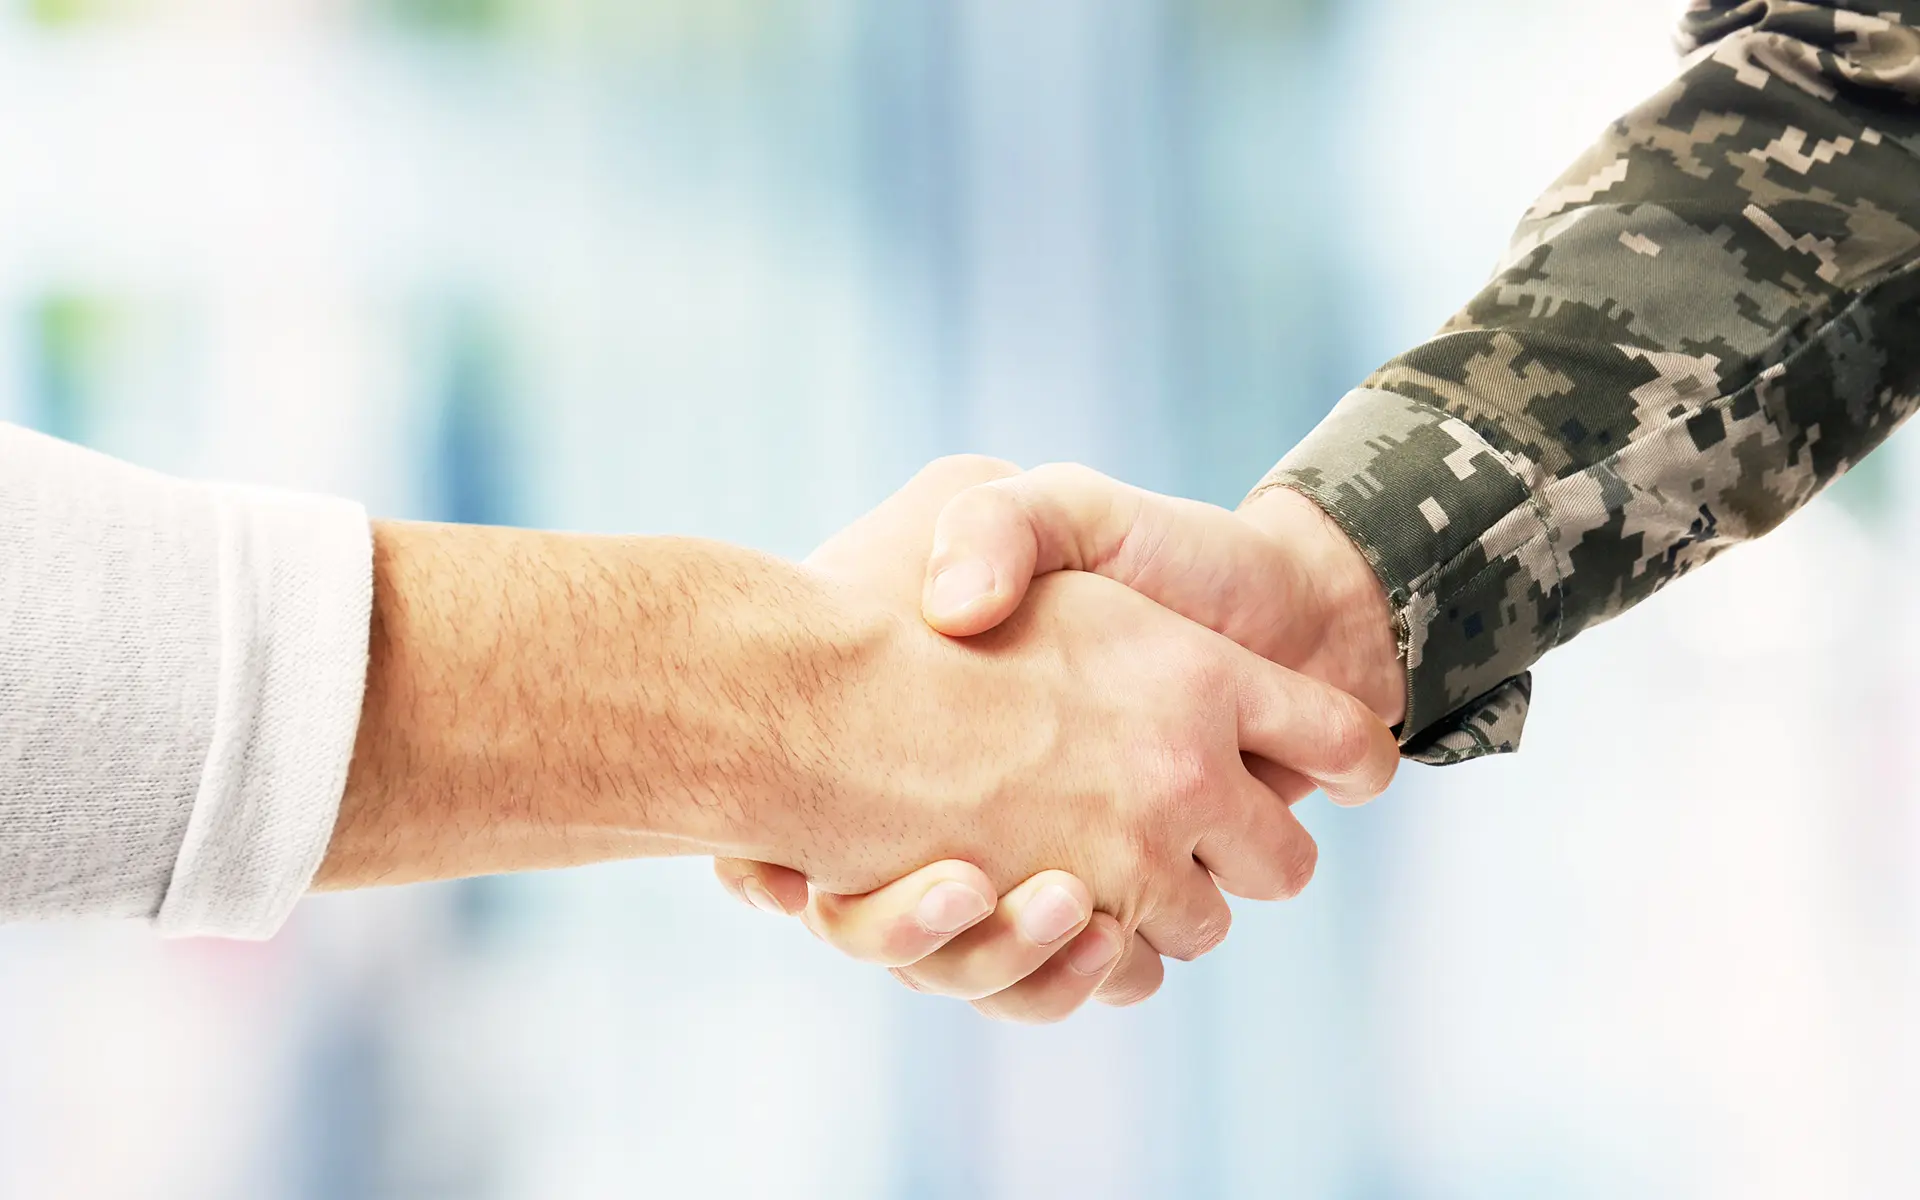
1033,921
1208,564
904,522
781,891
906,920
1268,855
1290,785
1065,982
1137,977
1189,919
1314,729
991,540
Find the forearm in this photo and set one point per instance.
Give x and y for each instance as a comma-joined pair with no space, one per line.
538,700
1709,319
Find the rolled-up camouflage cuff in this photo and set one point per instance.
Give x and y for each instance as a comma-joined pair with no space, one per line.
1462,547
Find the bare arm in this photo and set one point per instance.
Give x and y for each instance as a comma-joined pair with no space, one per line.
539,700
536,700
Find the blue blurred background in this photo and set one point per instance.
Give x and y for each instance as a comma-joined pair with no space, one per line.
736,269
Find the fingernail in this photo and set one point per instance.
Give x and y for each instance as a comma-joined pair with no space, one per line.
1093,951
761,898
1051,915
950,907
958,586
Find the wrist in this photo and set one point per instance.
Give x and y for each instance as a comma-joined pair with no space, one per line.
877,775
1357,647
824,770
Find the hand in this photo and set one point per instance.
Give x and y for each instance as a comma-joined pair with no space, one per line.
1278,576
1034,954
887,926
539,700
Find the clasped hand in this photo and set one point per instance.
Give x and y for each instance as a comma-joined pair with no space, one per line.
1145,687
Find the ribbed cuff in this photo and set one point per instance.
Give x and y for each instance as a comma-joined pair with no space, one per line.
296,596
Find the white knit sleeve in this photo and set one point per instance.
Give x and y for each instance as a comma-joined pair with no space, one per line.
181,668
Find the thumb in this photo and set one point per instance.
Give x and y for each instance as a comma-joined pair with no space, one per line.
778,890
991,540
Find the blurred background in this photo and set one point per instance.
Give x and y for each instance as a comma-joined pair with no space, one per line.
736,269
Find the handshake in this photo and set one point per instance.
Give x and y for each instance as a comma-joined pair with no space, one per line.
1142,736
1010,734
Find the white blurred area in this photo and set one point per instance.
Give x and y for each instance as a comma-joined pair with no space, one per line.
735,269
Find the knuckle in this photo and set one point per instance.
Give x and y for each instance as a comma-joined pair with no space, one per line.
1126,993
1187,781
902,942
1129,995
933,977
1277,884
1212,931
1351,741
1209,688
957,471
829,914
1204,936
1064,476
1191,775
1145,825
1298,861
970,976
1207,669
974,463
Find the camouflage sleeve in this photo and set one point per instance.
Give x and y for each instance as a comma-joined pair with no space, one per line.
1712,315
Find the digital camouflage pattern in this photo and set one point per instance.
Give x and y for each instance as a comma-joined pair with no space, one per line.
1708,319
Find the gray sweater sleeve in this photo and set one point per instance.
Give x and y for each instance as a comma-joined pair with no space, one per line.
181,667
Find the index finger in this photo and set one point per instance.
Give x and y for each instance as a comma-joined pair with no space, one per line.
1315,729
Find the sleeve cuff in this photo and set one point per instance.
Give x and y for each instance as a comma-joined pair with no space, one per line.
295,602
1464,550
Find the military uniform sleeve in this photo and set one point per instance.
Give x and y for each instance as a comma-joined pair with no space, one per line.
1708,319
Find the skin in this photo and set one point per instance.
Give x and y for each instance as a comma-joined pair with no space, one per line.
540,700
1277,576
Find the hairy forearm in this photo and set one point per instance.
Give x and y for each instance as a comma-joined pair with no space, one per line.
539,700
